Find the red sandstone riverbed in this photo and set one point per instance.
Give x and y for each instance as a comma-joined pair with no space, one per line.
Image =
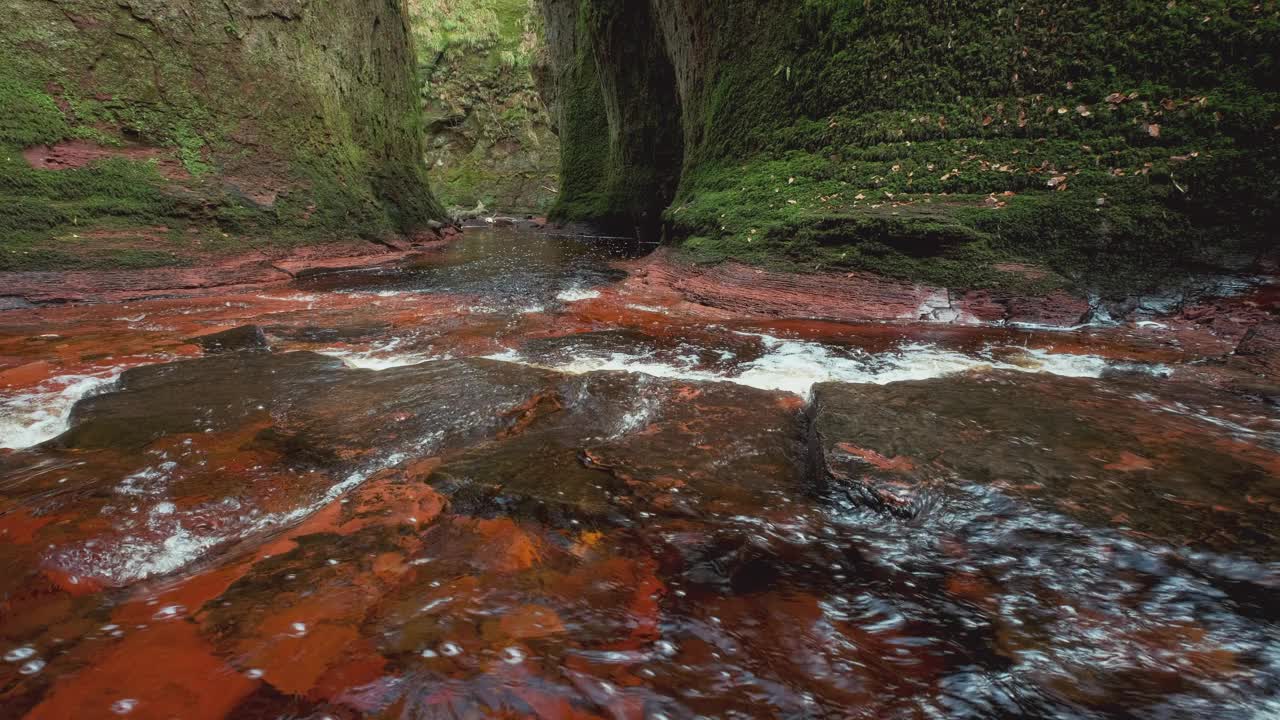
515,478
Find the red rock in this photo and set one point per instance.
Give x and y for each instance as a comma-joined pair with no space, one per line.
1054,310
849,297
166,669
70,154
248,272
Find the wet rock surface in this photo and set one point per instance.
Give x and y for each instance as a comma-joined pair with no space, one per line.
502,485
246,338
1109,453
215,393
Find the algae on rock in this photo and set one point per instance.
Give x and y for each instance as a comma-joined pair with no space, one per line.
137,131
1114,144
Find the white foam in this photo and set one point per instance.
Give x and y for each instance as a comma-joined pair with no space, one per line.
375,361
577,294
795,365
30,418
627,362
383,356
295,297
159,539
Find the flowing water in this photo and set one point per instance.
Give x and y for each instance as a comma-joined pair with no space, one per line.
506,479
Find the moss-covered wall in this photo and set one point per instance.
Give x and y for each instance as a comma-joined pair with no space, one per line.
1113,143
206,123
573,89
490,138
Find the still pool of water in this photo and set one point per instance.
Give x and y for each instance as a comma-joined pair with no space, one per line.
509,479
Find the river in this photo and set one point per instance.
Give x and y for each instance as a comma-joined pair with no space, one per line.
506,479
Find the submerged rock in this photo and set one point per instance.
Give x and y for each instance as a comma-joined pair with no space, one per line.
416,410
625,447
208,394
1124,453
315,406
1259,350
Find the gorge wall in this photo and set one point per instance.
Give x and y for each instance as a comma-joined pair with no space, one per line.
135,131
996,143
489,138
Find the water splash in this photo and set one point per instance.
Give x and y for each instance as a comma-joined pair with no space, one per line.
35,416
795,366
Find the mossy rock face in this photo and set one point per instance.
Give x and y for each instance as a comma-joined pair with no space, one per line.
236,123
1118,145
489,136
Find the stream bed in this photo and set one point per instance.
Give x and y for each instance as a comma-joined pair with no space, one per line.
503,480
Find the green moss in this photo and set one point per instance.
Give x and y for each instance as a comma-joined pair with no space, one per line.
190,146
30,115
312,108
1117,146
489,135
585,148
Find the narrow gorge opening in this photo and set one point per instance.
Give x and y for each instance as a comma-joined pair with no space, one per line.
491,142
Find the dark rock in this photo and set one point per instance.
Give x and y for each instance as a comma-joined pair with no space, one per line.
246,338
1259,350
317,408
214,393
1123,453
626,446
417,409
318,334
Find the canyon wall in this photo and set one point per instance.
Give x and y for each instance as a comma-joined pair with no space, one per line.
490,139
1039,143
134,132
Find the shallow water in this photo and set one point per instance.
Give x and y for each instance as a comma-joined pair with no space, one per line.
503,480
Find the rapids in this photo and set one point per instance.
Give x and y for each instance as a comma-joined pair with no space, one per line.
510,478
